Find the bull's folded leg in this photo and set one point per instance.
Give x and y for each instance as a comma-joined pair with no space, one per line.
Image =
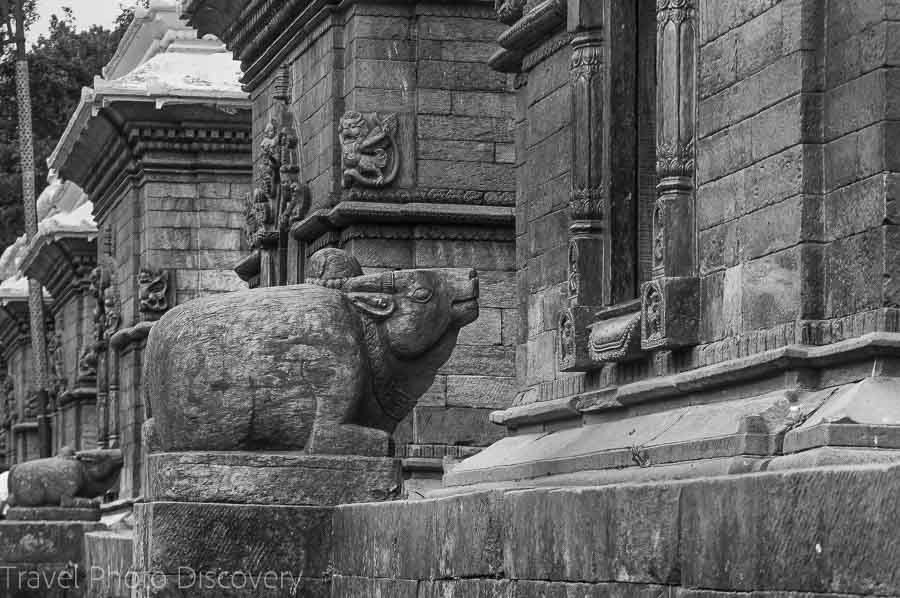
76,502
348,439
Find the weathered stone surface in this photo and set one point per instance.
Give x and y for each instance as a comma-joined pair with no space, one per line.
361,350
217,537
230,584
69,479
277,479
43,542
426,539
463,426
352,587
468,588
817,530
54,513
609,534
107,564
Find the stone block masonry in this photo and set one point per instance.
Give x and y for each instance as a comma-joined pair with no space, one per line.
786,534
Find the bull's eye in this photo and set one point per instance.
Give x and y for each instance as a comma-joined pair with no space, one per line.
422,295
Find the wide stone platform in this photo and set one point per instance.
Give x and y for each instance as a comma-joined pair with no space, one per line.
787,534
797,406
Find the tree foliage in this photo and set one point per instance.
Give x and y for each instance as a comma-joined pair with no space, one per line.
61,62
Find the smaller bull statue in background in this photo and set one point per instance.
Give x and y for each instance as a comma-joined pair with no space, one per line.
69,479
329,367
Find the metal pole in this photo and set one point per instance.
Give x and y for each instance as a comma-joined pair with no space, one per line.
35,291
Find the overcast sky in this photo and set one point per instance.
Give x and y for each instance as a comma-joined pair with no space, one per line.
87,13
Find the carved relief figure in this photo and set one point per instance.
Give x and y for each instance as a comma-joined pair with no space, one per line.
566,338
99,284
336,369
87,363
368,149
154,291
574,276
653,317
659,236
280,198
56,362
8,397
112,318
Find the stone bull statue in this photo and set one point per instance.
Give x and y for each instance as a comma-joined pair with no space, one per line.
68,480
330,367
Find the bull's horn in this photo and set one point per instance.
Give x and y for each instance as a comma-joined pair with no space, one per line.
372,283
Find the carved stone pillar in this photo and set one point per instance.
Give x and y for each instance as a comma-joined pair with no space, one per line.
602,259
671,301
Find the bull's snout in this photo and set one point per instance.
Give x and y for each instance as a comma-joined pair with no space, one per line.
464,285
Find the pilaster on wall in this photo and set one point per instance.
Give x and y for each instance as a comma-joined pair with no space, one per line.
671,301
599,326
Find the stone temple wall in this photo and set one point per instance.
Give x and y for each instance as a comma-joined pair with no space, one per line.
779,534
708,356
451,202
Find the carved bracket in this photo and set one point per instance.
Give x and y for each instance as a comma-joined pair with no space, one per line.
590,338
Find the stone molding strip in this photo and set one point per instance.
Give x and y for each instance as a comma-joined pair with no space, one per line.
720,375
351,212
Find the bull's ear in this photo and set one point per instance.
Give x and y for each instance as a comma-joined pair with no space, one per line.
377,305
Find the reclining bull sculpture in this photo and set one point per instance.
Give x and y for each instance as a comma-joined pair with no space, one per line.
329,367
69,479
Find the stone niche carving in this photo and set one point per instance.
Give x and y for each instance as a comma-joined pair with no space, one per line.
153,291
369,155
331,368
280,198
68,480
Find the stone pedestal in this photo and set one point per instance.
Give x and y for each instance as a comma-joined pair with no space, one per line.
43,559
247,524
